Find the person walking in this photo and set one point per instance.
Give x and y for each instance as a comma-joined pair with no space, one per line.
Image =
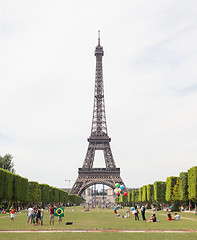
143,209
136,213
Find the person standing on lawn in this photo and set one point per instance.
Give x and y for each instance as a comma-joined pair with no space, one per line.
30,214
52,209
12,213
136,213
115,210
143,209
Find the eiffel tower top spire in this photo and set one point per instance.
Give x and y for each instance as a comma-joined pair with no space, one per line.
99,126
99,38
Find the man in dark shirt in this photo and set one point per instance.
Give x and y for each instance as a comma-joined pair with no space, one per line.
143,209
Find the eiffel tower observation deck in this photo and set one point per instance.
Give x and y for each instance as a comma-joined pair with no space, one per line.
98,140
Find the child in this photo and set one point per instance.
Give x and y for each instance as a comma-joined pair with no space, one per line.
115,210
128,213
12,213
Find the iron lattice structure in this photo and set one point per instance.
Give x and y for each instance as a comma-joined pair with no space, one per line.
98,140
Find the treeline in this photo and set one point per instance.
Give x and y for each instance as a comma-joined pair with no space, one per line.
175,191
16,189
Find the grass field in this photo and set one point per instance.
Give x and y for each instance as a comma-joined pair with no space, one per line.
100,219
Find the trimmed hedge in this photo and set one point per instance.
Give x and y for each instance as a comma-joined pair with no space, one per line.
192,183
150,192
144,194
170,183
159,191
17,189
183,188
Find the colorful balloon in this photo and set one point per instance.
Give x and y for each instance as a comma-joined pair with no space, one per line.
117,193
117,185
171,207
115,190
121,187
119,190
132,208
125,194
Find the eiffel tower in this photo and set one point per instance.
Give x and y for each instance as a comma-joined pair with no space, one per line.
98,140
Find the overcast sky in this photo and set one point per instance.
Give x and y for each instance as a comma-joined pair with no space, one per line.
47,74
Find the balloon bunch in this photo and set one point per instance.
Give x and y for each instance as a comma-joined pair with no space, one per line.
118,190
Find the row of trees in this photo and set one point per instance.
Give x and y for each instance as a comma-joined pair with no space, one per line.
14,188
176,191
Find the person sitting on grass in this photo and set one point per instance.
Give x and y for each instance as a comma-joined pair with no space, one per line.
152,218
170,217
177,217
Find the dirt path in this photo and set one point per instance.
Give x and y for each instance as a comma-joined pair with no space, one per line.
98,231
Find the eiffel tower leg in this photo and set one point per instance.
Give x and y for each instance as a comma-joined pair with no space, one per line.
89,159
109,160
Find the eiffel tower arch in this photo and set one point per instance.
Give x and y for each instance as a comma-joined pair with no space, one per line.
98,140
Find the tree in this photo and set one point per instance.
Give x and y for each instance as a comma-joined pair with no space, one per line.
176,190
159,192
170,183
140,195
183,189
150,193
6,163
144,194
135,196
192,183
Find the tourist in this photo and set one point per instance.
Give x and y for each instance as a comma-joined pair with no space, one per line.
30,214
169,217
115,210
136,213
143,209
52,209
38,216
60,217
128,213
152,218
42,216
12,213
177,217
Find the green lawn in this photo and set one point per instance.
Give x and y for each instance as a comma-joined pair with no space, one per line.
98,236
100,219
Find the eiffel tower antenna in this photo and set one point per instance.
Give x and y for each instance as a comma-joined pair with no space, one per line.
98,140
99,37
